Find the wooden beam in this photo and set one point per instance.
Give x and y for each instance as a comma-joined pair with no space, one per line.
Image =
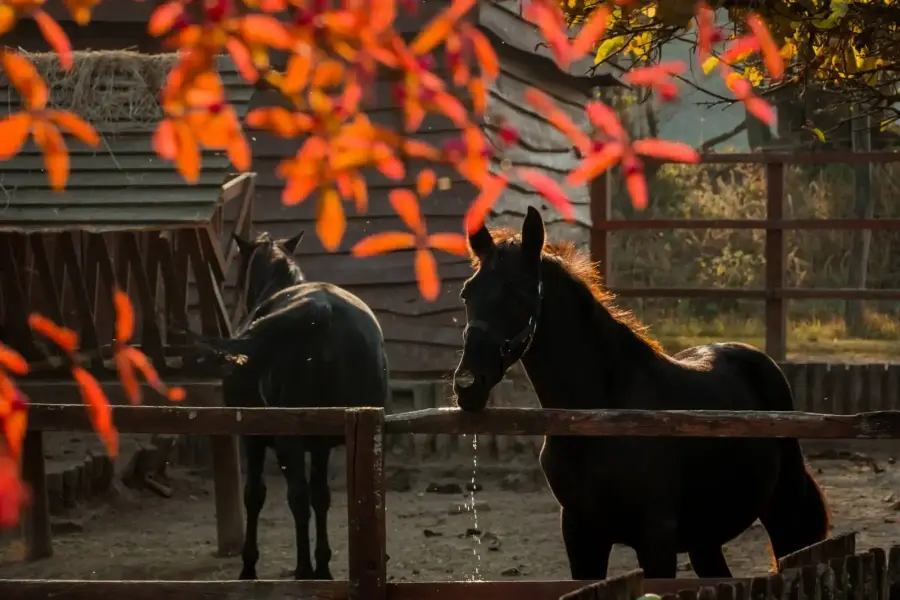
39,589
151,338
68,255
16,326
53,302
62,392
498,421
840,546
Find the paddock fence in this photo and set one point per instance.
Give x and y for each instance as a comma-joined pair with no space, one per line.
365,430
774,293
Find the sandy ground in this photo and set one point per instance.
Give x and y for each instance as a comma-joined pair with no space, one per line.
143,536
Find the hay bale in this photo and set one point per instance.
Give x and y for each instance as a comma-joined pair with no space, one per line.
107,88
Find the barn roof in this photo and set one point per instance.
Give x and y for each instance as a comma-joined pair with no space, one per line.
121,184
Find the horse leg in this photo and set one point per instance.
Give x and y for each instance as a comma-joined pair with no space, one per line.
254,499
320,499
588,550
292,460
658,555
709,562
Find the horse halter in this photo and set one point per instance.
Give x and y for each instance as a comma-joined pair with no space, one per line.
514,348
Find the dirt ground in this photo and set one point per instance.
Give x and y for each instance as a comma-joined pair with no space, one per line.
143,536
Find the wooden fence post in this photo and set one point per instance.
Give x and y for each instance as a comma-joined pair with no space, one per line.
776,313
37,520
601,213
365,504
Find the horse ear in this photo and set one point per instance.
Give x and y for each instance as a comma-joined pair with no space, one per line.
291,244
244,246
533,233
481,243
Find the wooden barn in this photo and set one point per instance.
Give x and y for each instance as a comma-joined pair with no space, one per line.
423,337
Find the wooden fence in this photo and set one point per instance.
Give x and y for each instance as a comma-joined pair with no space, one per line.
775,294
365,429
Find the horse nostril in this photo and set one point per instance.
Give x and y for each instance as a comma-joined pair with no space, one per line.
463,379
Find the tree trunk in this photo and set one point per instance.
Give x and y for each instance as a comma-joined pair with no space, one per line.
864,208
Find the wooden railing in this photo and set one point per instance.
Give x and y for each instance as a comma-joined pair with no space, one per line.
775,293
364,429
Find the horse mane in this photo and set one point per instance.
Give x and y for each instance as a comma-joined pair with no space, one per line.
279,266
577,265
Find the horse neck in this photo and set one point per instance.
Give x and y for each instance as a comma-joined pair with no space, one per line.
581,356
281,273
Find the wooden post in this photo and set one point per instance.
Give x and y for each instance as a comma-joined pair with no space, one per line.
863,208
601,213
37,519
776,313
365,503
227,483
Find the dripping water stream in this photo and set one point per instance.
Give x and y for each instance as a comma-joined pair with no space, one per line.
476,548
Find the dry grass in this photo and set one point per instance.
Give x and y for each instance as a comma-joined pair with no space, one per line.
108,87
727,258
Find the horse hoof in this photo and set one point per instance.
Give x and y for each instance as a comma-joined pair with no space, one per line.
323,574
303,575
247,574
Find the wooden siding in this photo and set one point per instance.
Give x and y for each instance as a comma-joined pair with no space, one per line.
121,184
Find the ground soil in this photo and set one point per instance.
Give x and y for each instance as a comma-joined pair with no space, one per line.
137,535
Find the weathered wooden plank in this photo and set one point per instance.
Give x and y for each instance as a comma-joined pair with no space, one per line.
39,589
267,177
711,423
191,420
22,182
102,163
364,434
833,547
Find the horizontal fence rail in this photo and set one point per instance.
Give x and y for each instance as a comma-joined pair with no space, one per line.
775,292
501,421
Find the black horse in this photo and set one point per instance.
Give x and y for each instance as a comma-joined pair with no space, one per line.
544,305
301,345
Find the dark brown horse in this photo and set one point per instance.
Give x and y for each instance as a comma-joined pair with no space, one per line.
303,344
544,305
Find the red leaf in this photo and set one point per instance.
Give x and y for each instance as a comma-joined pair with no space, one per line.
591,32
427,275
452,243
491,188
12,361
380,243
771,55
595,164
604,118
406,205
666,150
124,316
636,184
550,190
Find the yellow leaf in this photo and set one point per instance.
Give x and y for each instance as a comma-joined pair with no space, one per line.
609,47
819,134
709,64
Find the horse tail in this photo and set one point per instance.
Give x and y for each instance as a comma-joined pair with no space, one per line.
254,342
798,514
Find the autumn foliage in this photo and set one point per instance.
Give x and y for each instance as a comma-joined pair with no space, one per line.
335,51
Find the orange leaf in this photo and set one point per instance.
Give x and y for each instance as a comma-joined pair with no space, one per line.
604,118
636,185
177,394
297,74
62,337
382,15
550,111
487,59
243,60
14,131
8,18
450,106
140,361
15,425
452,243
768,47
656,74
127,376
550,190
297,189
425,182
667,150
22,74
98,409
435,32
391,168
12,361
187,161
706,29
56,157
595,164
591,32
164,17
406,205
427,275
491,188
165,142
416,149
278,120
124,316
360,194
328,73
13,492
265,30
380,243
56,38
760,109
239,152
75,126
478,92
740,49
330,222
